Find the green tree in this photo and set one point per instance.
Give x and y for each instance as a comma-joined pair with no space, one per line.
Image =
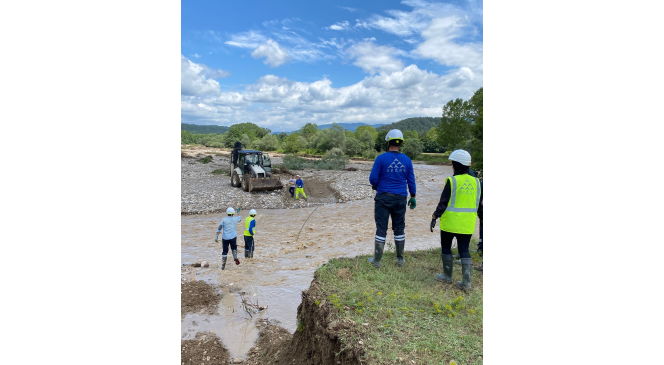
349,134
367,140
352,147
365,128
293,143
429,142
187,137
309,131
477,108
412,148
454,126
282,135
333,137
379,142
245,140
410,135
269,142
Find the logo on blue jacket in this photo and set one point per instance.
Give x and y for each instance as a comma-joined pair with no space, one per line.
396,166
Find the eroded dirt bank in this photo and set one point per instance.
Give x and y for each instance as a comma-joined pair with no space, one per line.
315,342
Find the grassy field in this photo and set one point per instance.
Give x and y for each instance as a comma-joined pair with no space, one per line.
435,158
404,314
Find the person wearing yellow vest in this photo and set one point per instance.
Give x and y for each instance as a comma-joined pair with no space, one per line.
249,231
457,210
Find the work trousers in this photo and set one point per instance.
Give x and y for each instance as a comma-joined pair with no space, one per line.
232,242
249,243
390,205
291,190
299,191
463,242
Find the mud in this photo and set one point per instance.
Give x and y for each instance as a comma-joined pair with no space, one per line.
197,296
283,265
205,348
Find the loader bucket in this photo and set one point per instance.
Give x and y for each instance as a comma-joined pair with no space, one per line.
268,183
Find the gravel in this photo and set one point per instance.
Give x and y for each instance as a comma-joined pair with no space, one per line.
203,192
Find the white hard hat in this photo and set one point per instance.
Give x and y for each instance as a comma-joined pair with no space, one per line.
230,211
393,134
460,156
252,212
297,175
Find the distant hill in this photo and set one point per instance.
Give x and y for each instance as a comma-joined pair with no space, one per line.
203,129
347,126
350,126
420,124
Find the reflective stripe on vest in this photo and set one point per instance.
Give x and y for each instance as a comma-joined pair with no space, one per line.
247,222
460,215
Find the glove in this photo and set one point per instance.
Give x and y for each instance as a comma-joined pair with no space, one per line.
374,187
238,210
433,223
216,238
411,203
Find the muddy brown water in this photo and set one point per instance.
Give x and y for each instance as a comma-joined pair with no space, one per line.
283,266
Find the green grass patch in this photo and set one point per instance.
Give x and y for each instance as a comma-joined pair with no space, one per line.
408,314
205,159
298,163
221,171
435,158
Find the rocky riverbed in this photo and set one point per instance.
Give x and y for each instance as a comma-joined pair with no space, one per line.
203,191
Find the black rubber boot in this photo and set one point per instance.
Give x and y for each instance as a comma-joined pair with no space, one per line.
223,265
466,270
251,254
237,262
378,254
246,253
446,276
400,246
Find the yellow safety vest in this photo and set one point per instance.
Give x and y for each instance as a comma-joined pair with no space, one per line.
460,215
247,222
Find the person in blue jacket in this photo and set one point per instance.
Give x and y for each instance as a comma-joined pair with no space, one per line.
392,177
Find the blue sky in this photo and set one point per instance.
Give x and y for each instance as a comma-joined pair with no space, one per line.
282,64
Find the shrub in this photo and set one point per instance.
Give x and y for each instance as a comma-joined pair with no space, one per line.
370,154
412,148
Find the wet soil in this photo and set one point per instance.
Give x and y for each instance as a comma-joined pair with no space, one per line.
197,296
205,348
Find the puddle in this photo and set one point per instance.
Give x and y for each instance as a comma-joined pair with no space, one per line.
283,266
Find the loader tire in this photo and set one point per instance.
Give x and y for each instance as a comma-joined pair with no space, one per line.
235,180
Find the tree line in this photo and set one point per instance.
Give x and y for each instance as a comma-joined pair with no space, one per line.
460,126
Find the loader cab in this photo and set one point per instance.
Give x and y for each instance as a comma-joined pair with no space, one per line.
267,164
248,158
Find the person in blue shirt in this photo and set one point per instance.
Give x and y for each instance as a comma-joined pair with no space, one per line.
392,177
229,235
300,188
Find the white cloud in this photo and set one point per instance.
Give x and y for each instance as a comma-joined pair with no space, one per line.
248,39
288,105
197,79
352,10
463,75
196,55
406,23
274,55
339,26
439,45
373,58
